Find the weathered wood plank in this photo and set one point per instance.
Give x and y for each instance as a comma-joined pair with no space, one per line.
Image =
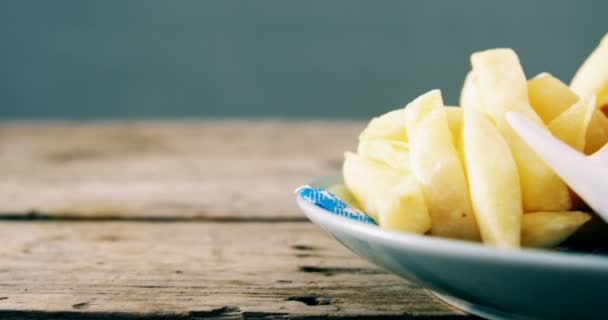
202,169
225,270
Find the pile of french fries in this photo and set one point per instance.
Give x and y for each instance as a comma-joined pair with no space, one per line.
463,173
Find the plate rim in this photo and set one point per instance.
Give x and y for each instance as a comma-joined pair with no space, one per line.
527,256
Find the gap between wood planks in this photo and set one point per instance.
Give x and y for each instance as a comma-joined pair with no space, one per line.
36,216
227,312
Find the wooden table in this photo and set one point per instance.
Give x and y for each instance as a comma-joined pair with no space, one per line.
185,220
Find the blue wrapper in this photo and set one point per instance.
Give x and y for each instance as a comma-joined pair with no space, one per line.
330,202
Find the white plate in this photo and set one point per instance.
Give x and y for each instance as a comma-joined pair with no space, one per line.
486,281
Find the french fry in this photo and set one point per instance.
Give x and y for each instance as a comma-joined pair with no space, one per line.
549,96
571,125
455,119
391,197
342,192
469,98
389,126
501,86
548,229
597,133
592,76
493,181
390,152
395,153
454,115
435,163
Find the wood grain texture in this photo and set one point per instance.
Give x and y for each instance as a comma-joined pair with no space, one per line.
201,170
195,270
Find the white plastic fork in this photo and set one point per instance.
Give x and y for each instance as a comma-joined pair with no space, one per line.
586,175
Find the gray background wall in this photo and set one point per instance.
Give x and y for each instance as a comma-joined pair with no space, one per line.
351,59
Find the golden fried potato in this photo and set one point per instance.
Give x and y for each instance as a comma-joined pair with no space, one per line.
501,86
342,192
455,119
434,161
548,229
571,125
393,153
549,96
597,133
493,181
454,115
391,197
592,76
389,126
469,98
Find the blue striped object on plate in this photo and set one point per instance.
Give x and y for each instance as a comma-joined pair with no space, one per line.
330,202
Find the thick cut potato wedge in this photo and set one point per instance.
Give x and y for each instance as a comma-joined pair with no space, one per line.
501,84
342,192
469,98
391,197
389,126
386,144
548,229
455,118
597,133
549,96
454,115
501,87
592,77
435,163
393,153
493,181
571,125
